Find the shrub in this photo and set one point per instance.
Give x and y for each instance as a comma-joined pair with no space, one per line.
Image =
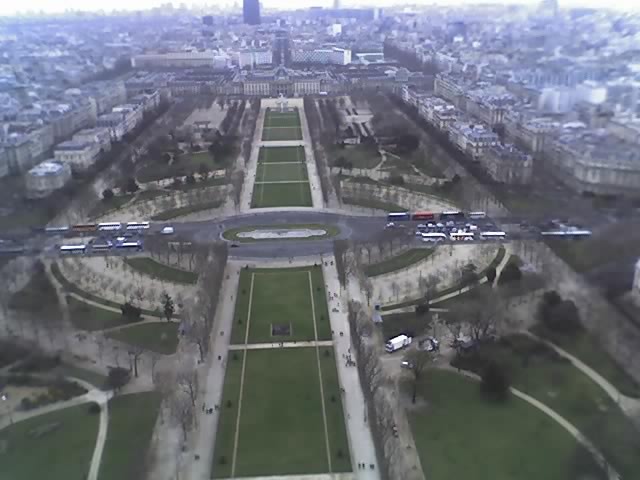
130,312
558,315
422,309
94,409
495,382
107,194
223,460
396,180
510,273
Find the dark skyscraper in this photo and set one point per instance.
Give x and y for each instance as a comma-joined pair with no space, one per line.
251,11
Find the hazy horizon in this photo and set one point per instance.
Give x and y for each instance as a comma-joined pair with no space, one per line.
46,6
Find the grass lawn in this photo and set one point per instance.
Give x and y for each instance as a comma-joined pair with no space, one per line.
398,262
131,421
281,155
585,347
281,428
193,160
281,133
90,376
85,316
281,195
232,234
281,119
145,195
373,204
275,172
105,206
539,371
160,337
62,453
181,211
149,266
281,297
462,435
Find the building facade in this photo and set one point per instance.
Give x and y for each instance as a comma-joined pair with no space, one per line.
507,164
46,177
79,155
472,138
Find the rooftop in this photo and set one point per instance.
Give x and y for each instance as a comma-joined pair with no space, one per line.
47,168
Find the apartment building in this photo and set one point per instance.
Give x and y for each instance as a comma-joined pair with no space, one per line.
46,177
508,164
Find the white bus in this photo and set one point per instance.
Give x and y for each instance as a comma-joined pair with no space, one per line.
493,235
137,245
56,229
96,247
434,237
477,215
109,226
461,236
137,225
65,249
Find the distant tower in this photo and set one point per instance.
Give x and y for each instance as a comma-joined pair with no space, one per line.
336,4
251,12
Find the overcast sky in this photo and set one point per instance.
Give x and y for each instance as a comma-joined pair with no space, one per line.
8,7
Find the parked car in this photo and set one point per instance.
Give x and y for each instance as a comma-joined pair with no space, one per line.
167,231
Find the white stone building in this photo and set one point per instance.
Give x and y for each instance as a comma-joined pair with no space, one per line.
46,177
79,155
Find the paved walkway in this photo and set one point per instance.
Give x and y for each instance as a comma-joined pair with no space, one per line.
355,409
563,422
261,346
629,405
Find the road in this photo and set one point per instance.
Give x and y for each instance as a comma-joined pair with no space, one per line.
357,228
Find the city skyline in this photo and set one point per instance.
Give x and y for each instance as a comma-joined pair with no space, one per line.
37,6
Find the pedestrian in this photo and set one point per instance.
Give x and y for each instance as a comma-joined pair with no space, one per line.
216,406
203,407
219,357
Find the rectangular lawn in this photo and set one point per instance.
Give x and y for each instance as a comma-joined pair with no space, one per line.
281,154
281,297
281,425
270,172
296,194
270,134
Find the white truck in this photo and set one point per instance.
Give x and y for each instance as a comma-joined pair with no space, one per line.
396,343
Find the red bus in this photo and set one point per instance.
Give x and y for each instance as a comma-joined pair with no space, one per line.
85,228
423,216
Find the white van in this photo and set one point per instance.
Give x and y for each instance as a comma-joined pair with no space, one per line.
396,343
167,231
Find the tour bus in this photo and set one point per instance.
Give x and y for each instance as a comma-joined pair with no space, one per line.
477,215
56,229
85,228
566,233
461,236
98,247
69,249
398,216
137,225
423,216
434,237
493,235
137,245
455,215
109,226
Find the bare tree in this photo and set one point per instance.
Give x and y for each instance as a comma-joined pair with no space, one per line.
427,286
198,333
237,180
395,290
135,353
418,362
187,381
367,287
181,409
